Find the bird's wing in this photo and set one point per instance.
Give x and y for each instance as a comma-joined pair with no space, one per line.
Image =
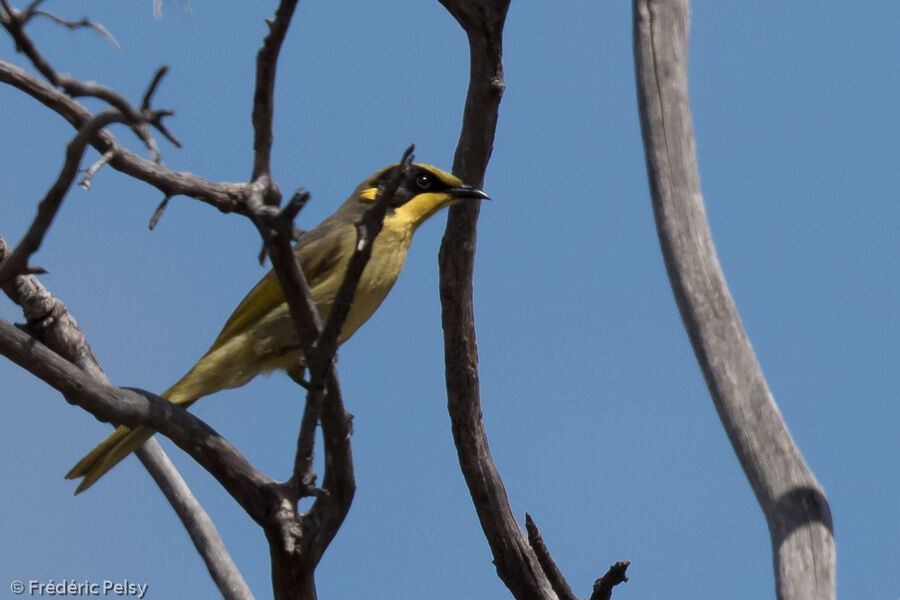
318,257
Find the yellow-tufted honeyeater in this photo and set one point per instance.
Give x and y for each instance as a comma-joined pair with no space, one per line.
260,337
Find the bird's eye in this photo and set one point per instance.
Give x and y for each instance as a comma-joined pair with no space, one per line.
423,181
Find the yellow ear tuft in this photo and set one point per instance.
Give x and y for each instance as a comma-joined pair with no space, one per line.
368,194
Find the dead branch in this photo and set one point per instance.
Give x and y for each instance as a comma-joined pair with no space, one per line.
320,354
528,572
17,262
263,98
516,564
227,197
613,577
792,500
49,321
196,521
602,587
557,579
133,407
84,23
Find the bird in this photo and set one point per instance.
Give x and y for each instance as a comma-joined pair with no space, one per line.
259,336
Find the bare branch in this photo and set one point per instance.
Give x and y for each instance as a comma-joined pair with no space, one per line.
329,511
157,122
792,500
158,213
32,8
263,98
297,543
199,526
89,173
14,21
367,230
75,25
49,321
602,586
227,197
133,407
613,577
516,563
17,262
557,579
14,24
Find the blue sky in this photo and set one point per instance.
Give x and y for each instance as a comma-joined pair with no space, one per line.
598,417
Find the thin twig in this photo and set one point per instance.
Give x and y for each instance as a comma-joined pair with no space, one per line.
158,213
367,230
320,354
227,197
49,205
32,8
84,23
89,173
263,97
157,122
75,88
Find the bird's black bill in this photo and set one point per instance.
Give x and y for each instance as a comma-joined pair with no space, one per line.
467,191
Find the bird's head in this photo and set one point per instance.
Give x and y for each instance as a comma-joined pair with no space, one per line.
423,192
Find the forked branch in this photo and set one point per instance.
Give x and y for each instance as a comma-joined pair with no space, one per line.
17,262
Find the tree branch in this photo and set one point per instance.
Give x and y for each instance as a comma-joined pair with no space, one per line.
516,564
329,511
196,521
133,407
17,262
367,230
85,23
298,542
613,577
49,322
602,586
227,197
527,569
15,21
264,96
792,500
557,579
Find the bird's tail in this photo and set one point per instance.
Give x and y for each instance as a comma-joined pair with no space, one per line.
124,440
107,454
213,372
